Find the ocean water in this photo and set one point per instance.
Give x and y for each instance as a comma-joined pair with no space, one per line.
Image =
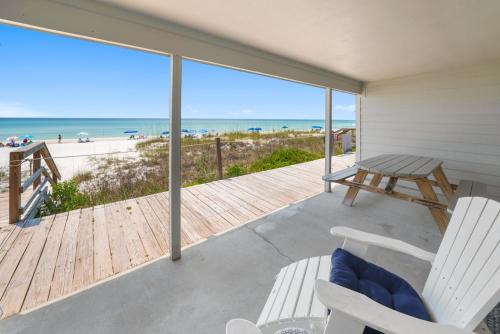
50,128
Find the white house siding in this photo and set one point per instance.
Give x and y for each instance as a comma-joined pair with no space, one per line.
453,115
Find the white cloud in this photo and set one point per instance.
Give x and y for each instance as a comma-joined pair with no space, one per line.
14,109
348,107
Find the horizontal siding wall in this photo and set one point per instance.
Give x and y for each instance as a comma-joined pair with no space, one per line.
451,115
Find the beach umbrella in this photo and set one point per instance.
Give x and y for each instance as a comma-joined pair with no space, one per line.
203,131
27,136
254,129
185,131
284,127
165,132
317,127
12,138
130,131
82,134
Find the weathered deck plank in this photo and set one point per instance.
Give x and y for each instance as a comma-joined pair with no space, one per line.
159,230
135,248
13,298
84,262
117,245
5,231
62,281
146,235
103,266
68,252
13,255
40,286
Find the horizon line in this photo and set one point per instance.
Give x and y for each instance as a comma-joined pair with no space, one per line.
203,118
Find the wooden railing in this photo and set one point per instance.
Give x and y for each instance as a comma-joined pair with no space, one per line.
17,187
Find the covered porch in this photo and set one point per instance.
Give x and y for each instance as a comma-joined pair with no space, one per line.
46,259
422,89
230,275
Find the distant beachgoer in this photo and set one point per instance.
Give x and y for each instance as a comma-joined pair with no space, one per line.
59,137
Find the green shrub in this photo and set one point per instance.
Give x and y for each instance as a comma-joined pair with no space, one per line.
64,197
199,180
235,170
282,158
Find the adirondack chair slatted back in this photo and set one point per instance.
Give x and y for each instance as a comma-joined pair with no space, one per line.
464,282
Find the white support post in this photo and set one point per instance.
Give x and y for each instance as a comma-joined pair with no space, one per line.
358,127
328,136
174,180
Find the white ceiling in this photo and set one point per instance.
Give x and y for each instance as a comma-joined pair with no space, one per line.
367,40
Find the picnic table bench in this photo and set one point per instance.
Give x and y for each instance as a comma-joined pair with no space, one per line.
397,167
411,168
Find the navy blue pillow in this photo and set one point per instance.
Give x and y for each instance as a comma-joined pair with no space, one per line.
376,283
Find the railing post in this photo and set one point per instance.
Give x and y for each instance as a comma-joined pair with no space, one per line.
37,163
14,187
219,158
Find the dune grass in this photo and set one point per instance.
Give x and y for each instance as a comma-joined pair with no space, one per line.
119,178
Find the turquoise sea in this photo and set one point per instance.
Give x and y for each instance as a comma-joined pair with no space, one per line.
49,128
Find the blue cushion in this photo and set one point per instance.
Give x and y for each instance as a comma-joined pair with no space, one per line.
376,283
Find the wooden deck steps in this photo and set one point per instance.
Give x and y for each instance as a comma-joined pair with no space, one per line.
46,259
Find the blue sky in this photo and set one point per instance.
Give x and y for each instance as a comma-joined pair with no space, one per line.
44,75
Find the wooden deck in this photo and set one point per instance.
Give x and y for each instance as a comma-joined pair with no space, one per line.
4,208
46,259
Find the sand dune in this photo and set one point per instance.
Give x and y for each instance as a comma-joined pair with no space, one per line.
72,157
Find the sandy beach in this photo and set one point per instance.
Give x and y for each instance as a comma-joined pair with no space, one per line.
72,157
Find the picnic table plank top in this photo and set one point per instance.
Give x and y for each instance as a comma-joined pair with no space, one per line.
400,165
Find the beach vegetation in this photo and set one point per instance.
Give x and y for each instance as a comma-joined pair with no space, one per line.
235,170
65,196
149,142
144,171
81,177
282,158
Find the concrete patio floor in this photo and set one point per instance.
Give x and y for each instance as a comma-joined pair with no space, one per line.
231,275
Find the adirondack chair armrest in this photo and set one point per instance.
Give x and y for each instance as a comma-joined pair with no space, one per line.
241,326
353,311
370,239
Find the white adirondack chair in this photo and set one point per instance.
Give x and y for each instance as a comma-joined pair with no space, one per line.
463,285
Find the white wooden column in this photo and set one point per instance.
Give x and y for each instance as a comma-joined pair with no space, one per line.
174,180
328,136
358,127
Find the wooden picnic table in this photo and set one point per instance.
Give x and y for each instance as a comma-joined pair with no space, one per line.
397,167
